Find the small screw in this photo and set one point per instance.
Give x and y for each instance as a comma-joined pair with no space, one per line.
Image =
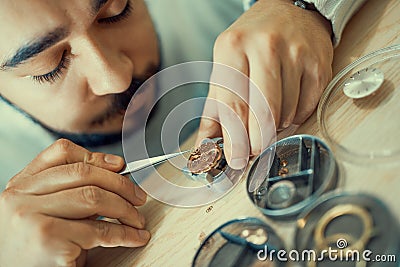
283,171
260,193
209,209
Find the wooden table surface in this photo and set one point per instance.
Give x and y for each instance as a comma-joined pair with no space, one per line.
177,232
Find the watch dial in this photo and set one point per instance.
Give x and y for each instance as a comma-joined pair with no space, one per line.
363,83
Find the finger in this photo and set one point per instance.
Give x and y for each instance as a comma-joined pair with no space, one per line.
233,115
209,126
65,239
66,152
51,238
265,99
87,201
231,73
89,234
291,82
313,82
68,254
79,175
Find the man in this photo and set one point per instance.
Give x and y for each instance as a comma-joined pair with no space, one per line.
66,71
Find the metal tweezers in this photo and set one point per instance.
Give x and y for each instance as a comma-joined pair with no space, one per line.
144,163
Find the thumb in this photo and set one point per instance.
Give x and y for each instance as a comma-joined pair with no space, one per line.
209,128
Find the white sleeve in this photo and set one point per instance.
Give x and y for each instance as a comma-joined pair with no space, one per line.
248,3
338,12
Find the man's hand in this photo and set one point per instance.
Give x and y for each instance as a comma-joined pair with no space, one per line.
287,52
48,211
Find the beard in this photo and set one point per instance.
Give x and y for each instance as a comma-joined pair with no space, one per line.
118,105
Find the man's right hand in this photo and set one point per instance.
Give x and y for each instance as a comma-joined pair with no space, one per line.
48,211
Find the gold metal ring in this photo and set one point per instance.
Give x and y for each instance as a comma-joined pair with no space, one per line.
322,242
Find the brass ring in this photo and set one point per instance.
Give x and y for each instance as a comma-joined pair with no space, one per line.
322,242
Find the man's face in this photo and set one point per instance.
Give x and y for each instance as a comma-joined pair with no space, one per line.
69,63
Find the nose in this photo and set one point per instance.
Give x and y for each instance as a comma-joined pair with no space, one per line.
107,69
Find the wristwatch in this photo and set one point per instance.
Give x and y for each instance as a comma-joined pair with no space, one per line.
304,5
300,3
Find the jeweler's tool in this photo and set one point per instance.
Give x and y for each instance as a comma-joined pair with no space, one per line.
144,163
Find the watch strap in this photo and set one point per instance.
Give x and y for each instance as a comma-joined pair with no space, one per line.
304,5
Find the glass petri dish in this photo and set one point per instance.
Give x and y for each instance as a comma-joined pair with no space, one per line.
311,170
347,221
364,130
244,242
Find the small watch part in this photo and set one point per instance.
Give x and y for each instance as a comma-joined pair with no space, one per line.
323,242
283,171
255,236
209,209
259,193
281,195
284,163
363,83
204,158
304,5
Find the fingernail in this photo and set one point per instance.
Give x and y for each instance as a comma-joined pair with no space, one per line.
112,159
140,193
144,234
238,163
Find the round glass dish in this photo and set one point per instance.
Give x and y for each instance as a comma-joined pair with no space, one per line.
364,130
245,242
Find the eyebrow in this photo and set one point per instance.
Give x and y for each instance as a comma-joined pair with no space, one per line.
38,45
35,47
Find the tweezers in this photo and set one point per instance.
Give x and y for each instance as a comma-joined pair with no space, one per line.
144,163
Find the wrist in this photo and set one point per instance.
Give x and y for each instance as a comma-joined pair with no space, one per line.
307,9
325,24
307,6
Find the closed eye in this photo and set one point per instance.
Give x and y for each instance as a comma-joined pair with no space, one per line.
55,74
121,16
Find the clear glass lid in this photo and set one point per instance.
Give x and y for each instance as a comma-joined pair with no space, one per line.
359,112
